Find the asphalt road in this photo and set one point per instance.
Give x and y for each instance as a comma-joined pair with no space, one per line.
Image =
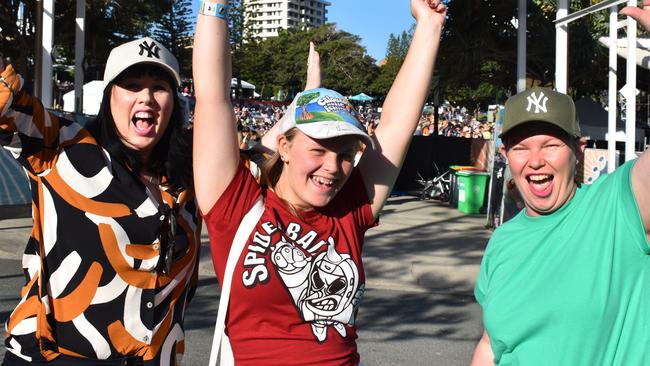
418,307
396,327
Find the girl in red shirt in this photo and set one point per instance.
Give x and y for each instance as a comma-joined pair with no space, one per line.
298,282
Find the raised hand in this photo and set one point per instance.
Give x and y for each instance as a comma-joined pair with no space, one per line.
270,139
313,68
429,10
640,15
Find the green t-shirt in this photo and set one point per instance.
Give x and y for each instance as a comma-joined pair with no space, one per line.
573,287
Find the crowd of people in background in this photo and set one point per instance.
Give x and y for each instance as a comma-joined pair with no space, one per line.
457,122
255,118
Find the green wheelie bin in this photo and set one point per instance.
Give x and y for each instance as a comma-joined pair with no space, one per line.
471,190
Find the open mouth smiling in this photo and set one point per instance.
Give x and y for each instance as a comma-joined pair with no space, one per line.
540,183
143,122
321,181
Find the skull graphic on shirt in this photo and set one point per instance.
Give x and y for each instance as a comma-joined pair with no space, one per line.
325,289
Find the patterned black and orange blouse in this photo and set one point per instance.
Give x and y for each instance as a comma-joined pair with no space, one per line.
94,285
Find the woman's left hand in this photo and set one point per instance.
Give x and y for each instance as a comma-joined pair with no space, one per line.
433,10
313,68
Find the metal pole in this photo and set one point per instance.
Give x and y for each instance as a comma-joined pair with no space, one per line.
521,46
38,56
80,37
586,11
630,100
46,52
612,93
561,48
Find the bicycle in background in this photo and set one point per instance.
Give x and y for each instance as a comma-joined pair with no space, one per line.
437,188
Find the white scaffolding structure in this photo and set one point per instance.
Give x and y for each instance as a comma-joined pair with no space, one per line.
44,82
629,91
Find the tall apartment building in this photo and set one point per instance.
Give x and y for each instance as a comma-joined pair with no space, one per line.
266,17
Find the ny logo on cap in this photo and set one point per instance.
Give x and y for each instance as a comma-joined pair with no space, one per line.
151,49
538,101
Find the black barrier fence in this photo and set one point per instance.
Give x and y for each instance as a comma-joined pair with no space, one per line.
423,152
427,150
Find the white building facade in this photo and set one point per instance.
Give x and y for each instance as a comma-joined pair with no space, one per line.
266,17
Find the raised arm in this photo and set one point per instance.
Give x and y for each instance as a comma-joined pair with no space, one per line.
403,105
313,68
27,129
270,139
641,170
216,150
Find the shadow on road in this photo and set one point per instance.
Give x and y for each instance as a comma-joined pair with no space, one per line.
418,308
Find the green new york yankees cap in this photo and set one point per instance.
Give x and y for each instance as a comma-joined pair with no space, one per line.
541,105
144,50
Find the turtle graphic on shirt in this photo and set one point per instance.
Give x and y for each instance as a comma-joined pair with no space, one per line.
325,288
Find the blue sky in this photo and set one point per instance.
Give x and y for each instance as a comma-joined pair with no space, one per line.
372,20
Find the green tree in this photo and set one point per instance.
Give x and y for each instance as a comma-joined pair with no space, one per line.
108,24
587,59
174,31
396,50
17,34
278,65
393,45
239,24
387,72
478,53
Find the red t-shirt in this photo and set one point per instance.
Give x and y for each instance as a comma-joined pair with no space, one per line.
298,282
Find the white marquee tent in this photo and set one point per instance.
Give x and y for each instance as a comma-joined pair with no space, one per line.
92,97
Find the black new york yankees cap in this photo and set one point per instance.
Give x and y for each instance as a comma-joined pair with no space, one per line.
541,105
143,50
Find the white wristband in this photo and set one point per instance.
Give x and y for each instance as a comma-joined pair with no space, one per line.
214,9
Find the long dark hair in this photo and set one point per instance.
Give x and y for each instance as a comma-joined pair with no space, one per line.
170,157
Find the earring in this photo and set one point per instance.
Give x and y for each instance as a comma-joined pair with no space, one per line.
283,158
